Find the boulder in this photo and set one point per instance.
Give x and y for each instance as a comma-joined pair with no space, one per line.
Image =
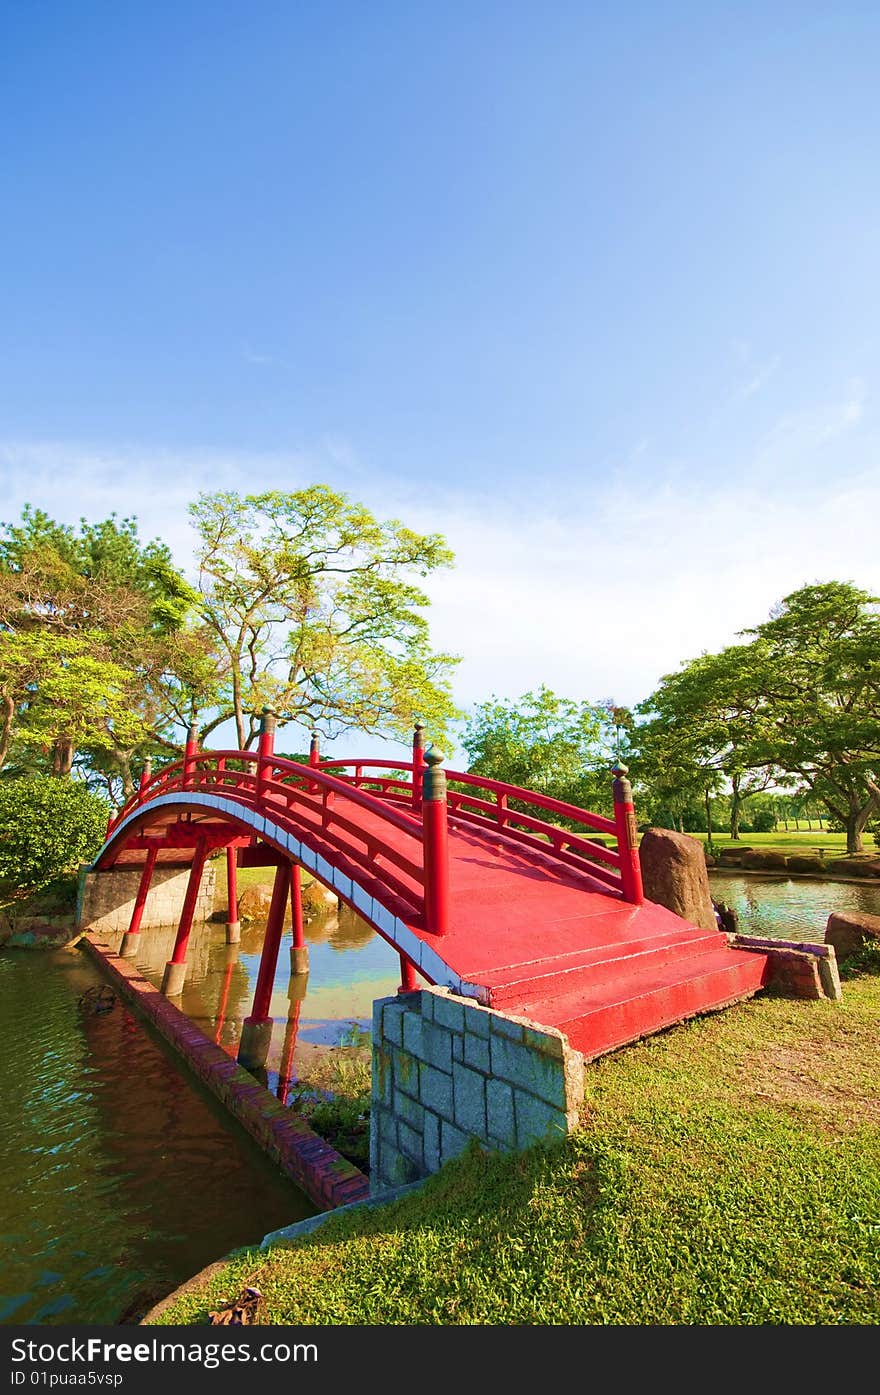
317,898
804,862
733,854
763,859
254,902
674,875
850,931
854,867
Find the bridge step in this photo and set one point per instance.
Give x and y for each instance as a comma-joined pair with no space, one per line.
557,973
598,1016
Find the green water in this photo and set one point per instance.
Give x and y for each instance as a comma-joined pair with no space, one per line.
790,908
118,1177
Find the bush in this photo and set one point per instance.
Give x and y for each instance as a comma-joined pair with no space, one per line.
47,827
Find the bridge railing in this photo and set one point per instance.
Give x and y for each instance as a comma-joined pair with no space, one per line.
303,797
516,813
414,873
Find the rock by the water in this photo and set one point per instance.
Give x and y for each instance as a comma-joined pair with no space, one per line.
674,875
254,903
850,931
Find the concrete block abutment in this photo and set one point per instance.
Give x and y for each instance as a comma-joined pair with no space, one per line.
106,899
447,1070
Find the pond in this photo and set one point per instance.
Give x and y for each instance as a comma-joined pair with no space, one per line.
790,908
119,1178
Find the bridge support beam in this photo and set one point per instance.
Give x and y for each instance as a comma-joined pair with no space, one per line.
296,991
233,924
256,1030
175,969
299,950
408,982
131,939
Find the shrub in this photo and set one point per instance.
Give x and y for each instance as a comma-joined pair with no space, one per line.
47,827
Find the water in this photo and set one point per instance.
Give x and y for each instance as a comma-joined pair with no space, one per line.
327,1013
119,1178
788,908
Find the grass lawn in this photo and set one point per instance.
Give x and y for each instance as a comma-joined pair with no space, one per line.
725,1172
832,844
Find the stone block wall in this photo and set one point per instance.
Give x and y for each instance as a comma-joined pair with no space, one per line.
106,899
446,1070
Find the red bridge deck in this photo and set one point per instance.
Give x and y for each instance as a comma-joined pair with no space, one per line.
475,885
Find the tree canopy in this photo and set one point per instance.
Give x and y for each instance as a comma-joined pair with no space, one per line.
314,605
798,703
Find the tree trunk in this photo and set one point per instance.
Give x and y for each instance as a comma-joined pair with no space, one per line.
7,707
62,758
735,808
708,819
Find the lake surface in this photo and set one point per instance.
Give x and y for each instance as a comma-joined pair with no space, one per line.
327,1012
790,908
119,1178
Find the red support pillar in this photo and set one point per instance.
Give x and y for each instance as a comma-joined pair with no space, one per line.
256,1031
175,969
233,924
299,950
408,982
191,751
418,759
131,939
627,837
435,845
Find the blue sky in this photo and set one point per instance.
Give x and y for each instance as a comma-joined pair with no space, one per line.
592,289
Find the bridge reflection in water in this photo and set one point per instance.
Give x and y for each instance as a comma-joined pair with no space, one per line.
325,1011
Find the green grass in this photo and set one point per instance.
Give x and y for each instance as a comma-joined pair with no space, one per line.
726,1172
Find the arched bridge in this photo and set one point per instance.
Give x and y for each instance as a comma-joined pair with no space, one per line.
525,903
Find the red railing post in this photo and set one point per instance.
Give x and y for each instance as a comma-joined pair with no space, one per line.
190,752
418,760
265,749
314,757
435,845
627,837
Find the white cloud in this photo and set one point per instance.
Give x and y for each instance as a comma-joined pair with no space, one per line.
595,593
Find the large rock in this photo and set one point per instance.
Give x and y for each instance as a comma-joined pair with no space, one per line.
254,903
854,867
674,874
849,932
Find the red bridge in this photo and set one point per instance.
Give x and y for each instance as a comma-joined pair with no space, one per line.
475,882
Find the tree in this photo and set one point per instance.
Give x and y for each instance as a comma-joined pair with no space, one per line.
814,705
698,734
98,646
549,744
47,826
312,603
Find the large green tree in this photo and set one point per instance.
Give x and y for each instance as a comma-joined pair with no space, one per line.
550,744
797,704
314,605
99,646
814,708
698,734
